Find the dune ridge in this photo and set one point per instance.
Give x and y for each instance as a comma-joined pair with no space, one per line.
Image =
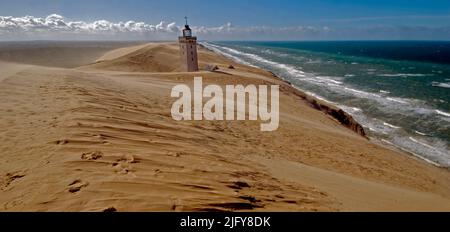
100,137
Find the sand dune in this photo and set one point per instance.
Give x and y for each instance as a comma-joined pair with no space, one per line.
57,53
156,57
101,137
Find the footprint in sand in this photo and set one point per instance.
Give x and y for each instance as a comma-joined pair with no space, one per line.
123,165
9,178
238,185
62,142
77,185
92,155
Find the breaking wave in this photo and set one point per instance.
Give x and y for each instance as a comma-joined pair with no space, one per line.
442,85
405,75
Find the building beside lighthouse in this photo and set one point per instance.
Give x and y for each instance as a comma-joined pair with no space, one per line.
188,50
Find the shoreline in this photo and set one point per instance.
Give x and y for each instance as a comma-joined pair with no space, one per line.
341,117
333,111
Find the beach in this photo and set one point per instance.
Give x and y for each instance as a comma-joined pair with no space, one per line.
94,132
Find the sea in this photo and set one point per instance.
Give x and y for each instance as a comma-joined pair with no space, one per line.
399,91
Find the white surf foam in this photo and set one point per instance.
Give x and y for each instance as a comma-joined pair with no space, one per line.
397,100
420,157
335,85
391,126
316,96
420,133
329,79
392,105
274,53
287,68
216,49
404,75
349,109
442,113
442,85
421,143
339,88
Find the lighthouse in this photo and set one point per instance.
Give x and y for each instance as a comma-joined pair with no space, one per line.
188,50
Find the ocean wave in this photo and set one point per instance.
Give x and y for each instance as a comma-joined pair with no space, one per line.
420,157
350,109
421,143
420,133
377,97
373,124
399,100
216,49
326,79
316,96
409,105
391,126
434,152
319,80
361,92
313,62
439,84
393,106
274,53
287,68
404,75
442,113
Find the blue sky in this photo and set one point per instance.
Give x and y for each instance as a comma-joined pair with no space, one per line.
319,19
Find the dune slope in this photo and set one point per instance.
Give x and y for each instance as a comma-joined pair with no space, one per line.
101,137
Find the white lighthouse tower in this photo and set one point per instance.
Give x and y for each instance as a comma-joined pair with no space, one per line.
188,50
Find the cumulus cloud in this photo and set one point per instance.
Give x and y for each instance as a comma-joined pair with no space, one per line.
56,27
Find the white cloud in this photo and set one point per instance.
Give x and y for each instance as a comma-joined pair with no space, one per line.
59,27
56,22
56,27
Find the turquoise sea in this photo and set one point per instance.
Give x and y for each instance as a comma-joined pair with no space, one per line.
398,90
